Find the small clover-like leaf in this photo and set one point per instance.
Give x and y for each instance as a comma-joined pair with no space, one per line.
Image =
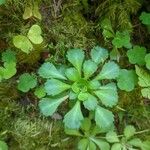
145,18
147,60
34,34
83,144
137,55
8,56
108,94
122,39
99,54
54,87
146,92
135,142
27,12
129,131
23,43
127,80
27,82
110,70
76,57
48,106
89,67
48,70
103,117
74,117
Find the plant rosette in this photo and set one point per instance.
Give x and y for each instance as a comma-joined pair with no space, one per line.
84,82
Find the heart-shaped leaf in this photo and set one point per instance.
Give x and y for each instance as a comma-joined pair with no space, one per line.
34,34
23,43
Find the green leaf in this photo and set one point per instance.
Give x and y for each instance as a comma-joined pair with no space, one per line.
103,117
94,84
90,103
86,124
8,70
23,43
101,144
122,39
72,74
27,12
89,67
107,28
72,95
27,82
91,146
48,106
137,55
99,54
110,70
83,144
116,146
147,60
72,132
129,131
74,117
127,80
48,70
145,18
76,57
146,92
135,142
108,94
54,87
34,34
145,145
143,76
112,137
36,12
3,145
114,54
82,96
40,92
144,81
8,56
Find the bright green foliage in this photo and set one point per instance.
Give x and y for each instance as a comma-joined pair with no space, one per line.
74,117
79,83
25,42
146,145
3,145
40,92
48,70
48,106
107,29
27,82
9,68
137,55
103,117
76,57
34,34
2,2
127,80
129,131
144,81
145,18
99,54
122,39
110,70
147,60
89,140
127,140
32,10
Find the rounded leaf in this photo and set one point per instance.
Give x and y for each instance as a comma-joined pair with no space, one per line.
147,60
129,131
